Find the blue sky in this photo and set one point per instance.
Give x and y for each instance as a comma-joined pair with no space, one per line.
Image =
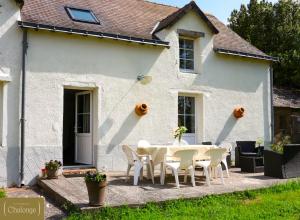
220,8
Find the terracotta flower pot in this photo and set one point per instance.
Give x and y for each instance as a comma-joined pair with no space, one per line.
96,192
141,109
52,174
239,112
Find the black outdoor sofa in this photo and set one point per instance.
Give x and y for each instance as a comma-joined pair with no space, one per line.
286,165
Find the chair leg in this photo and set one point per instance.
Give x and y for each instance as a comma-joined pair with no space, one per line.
226,166
151,170
192,173
141,173
137,172
207,177
185,176
176,177
127,173
221,173
162,173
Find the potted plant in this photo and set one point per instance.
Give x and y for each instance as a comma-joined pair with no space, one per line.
258,146
179,132
283,160
96,183
52,168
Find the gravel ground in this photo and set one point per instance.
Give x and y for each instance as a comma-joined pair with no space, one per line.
51,210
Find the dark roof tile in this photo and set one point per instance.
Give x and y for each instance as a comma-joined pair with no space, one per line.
136,18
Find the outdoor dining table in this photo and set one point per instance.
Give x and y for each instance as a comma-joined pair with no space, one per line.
158,152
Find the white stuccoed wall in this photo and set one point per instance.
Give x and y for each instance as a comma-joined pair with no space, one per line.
10,69
109,68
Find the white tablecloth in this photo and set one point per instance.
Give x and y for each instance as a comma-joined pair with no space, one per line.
158,152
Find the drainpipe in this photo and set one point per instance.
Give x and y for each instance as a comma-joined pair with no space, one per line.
272,105
24,52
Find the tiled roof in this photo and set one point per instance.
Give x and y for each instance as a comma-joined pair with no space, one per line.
134,18
286,98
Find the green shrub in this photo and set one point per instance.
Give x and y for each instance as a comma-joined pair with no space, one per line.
2,193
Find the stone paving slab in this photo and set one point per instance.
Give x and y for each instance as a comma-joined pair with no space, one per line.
120,193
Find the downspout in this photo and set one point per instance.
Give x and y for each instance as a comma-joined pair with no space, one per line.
24,52
272,104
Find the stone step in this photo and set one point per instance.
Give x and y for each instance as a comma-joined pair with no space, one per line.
77,172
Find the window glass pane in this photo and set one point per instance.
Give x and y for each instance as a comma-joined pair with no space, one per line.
180,105
86,103
189,64
180,120
182,64
182,54
189,105
190,124
80,100
83,123
189,44
83,15
189,54
181,43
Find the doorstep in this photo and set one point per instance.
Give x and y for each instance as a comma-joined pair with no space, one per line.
77,172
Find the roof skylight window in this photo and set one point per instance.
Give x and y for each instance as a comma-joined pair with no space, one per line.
82,15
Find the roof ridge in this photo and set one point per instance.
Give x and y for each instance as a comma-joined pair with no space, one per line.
161,4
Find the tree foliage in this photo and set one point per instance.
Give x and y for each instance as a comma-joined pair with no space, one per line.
274,29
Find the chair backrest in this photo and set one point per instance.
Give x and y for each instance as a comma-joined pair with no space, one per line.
186,158
130,154
181,143
246,146
206,143
226,145
143,143
216,155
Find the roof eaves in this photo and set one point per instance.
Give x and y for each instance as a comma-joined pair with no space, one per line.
243,54
36,26
173,18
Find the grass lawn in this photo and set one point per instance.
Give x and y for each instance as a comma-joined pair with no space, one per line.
278,202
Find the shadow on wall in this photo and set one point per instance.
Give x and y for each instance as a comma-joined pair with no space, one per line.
126,128
229,125
12,166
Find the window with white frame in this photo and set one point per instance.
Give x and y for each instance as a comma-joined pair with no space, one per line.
186,113
186,54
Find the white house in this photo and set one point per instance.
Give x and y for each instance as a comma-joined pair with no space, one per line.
73,71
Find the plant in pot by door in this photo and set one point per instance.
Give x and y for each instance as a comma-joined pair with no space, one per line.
179,132
52,168
96,183
258,146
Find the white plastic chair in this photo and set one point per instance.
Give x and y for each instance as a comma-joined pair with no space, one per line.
228,147
143,143
138,162
216,155
181,160
181,143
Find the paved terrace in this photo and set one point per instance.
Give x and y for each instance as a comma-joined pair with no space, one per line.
120,193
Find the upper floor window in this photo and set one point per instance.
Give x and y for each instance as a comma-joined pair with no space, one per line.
82,15
186,54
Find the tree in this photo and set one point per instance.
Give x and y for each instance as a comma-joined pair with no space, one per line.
274,29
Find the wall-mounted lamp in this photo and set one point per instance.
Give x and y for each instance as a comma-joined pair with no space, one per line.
144,79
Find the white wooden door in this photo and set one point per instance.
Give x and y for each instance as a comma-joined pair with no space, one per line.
83,128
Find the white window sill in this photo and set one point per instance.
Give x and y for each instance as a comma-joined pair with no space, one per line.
187,71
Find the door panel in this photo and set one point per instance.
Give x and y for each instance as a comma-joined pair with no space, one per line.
83,128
